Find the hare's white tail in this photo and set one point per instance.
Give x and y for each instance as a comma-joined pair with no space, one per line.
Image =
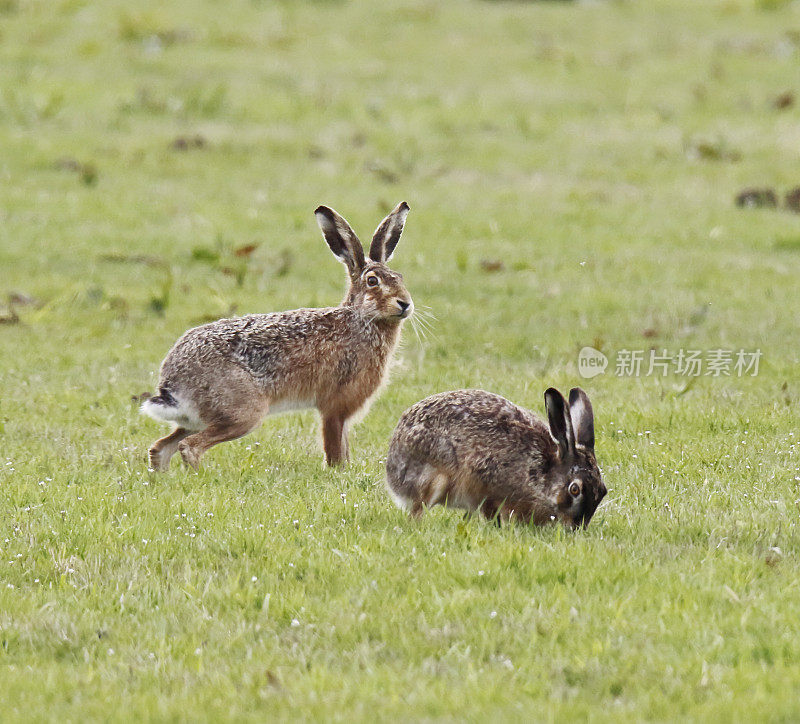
167,407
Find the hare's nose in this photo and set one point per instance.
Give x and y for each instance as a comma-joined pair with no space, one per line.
403,307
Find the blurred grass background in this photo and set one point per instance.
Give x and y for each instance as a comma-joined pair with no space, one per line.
571,169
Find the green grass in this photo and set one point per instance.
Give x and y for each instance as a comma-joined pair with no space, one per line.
596,150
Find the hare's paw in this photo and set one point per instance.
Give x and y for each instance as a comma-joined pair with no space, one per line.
158,462
191,456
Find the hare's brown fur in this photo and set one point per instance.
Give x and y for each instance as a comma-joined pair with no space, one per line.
221,379
477,451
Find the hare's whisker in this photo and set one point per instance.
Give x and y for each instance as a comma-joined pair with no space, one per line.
422,323
420,334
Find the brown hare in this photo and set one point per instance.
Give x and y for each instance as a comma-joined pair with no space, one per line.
220,380
473,450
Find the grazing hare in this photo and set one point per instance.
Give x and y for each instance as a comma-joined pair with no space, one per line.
474,450
220,380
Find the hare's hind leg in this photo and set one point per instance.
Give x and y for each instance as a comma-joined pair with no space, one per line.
431,487
232,408
164,448
194,446
413,484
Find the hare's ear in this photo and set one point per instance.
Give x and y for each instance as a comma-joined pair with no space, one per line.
580,410
386,236
341,239
560,422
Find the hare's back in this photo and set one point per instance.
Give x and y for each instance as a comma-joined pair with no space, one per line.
293,356
452,428
259,342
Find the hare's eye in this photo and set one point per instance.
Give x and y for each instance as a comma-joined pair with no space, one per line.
574,489
372,281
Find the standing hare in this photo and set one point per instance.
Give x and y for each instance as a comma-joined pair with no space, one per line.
474,450
220,380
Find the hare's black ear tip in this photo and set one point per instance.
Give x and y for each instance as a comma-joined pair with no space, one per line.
576,394
325,216
550,393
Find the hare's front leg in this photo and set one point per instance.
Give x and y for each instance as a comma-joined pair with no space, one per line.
334,439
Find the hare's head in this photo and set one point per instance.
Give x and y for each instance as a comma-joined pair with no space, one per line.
575,484
374,288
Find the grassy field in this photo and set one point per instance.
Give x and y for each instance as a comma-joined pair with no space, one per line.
571,169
